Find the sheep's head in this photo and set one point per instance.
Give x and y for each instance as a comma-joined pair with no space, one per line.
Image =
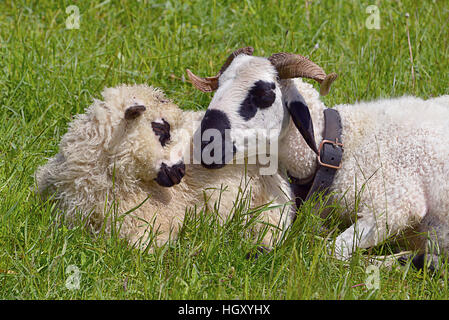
146,139
251,99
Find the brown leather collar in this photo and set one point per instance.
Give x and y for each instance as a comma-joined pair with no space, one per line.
330,153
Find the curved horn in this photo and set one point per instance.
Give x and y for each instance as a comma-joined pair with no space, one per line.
289,65
209,84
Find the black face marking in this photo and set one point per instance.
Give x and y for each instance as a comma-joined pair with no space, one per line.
169,176
134,111
261,95
303,122
162,130
217,120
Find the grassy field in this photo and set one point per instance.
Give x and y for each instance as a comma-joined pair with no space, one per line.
49,72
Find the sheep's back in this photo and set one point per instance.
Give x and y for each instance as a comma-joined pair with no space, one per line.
397,147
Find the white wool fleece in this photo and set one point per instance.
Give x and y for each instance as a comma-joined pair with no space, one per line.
106,167
395,166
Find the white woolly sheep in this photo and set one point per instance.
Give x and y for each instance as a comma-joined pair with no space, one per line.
127,152
395,165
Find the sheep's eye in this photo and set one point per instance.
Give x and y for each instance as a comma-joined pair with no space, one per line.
162,130
260,96
263,93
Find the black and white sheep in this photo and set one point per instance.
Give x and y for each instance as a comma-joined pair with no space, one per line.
395,166
124,160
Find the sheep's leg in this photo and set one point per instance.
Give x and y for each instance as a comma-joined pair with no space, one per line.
373,228
433,232
154,233
422,261
431,241
278,221
389,260
362,234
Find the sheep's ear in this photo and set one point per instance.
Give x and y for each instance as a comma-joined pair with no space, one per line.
134,111
303,121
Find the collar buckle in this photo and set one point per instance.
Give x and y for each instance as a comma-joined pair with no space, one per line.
335,143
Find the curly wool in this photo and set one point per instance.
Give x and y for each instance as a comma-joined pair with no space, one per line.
394,168
106,166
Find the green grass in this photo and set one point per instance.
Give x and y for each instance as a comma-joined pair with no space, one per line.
49,73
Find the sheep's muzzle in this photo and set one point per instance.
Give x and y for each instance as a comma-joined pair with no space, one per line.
169,176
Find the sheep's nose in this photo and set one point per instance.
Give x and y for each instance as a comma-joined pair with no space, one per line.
169,176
